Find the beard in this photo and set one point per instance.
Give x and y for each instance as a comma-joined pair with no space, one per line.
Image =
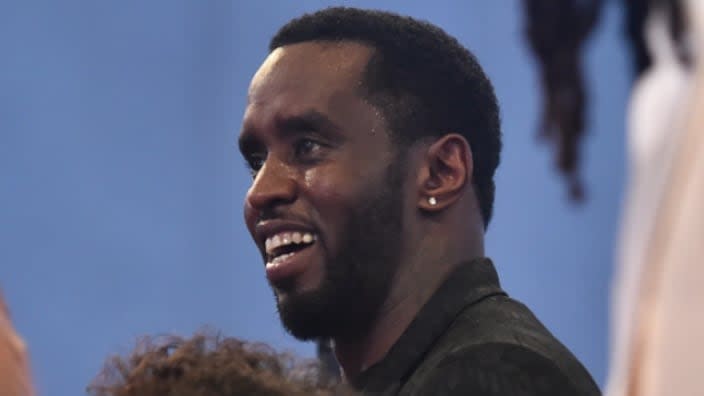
358,278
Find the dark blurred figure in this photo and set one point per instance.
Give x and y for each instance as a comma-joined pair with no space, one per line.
637,12
373,139
208,365
557,31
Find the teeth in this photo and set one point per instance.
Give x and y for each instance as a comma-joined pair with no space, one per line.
287,238
278,259
272,243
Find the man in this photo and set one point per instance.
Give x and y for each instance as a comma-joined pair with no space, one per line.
373,141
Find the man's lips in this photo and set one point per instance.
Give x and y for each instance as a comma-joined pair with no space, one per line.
269,228
283,269
285,242
288,248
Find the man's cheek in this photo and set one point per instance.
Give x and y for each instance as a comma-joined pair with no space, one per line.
328,190
331,201
249,217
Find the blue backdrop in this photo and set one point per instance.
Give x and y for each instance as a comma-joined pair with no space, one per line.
121,187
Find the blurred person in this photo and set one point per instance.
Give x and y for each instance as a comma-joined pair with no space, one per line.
557,33
658,328
373,140
208,365
15,379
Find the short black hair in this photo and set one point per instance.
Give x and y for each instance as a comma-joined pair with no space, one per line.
422,79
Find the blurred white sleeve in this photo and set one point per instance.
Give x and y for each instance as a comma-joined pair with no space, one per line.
657,313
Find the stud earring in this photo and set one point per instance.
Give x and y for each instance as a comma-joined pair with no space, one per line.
432,201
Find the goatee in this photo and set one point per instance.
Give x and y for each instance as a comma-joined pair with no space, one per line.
358,279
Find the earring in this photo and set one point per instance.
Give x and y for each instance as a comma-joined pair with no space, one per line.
432,201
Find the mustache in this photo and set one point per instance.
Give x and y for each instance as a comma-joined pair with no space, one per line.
283,214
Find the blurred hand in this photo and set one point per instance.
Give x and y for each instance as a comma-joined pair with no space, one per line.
14,363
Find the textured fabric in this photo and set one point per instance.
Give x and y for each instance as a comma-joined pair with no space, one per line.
14,372
472,339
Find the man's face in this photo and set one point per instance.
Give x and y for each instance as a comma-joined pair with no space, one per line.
325,205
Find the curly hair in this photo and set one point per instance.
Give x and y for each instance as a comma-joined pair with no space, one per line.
208,365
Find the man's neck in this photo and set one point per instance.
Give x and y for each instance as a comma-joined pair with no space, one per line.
430,260
404,302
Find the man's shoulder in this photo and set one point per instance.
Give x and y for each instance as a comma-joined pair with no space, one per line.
496,369
500,320
496,347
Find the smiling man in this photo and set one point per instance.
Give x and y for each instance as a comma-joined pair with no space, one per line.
373,140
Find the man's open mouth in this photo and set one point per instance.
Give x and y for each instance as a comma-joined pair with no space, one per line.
284,245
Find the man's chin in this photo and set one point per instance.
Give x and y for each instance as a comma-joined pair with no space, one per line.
299,317
310,315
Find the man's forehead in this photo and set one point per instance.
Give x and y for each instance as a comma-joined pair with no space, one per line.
313,63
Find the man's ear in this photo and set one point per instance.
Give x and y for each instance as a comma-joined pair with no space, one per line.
446,169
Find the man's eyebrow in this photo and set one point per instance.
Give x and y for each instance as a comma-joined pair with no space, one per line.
247,141
311,120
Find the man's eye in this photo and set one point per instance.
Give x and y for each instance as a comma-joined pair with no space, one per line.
255,163
305,148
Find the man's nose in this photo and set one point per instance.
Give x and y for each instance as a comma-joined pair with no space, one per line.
274,185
